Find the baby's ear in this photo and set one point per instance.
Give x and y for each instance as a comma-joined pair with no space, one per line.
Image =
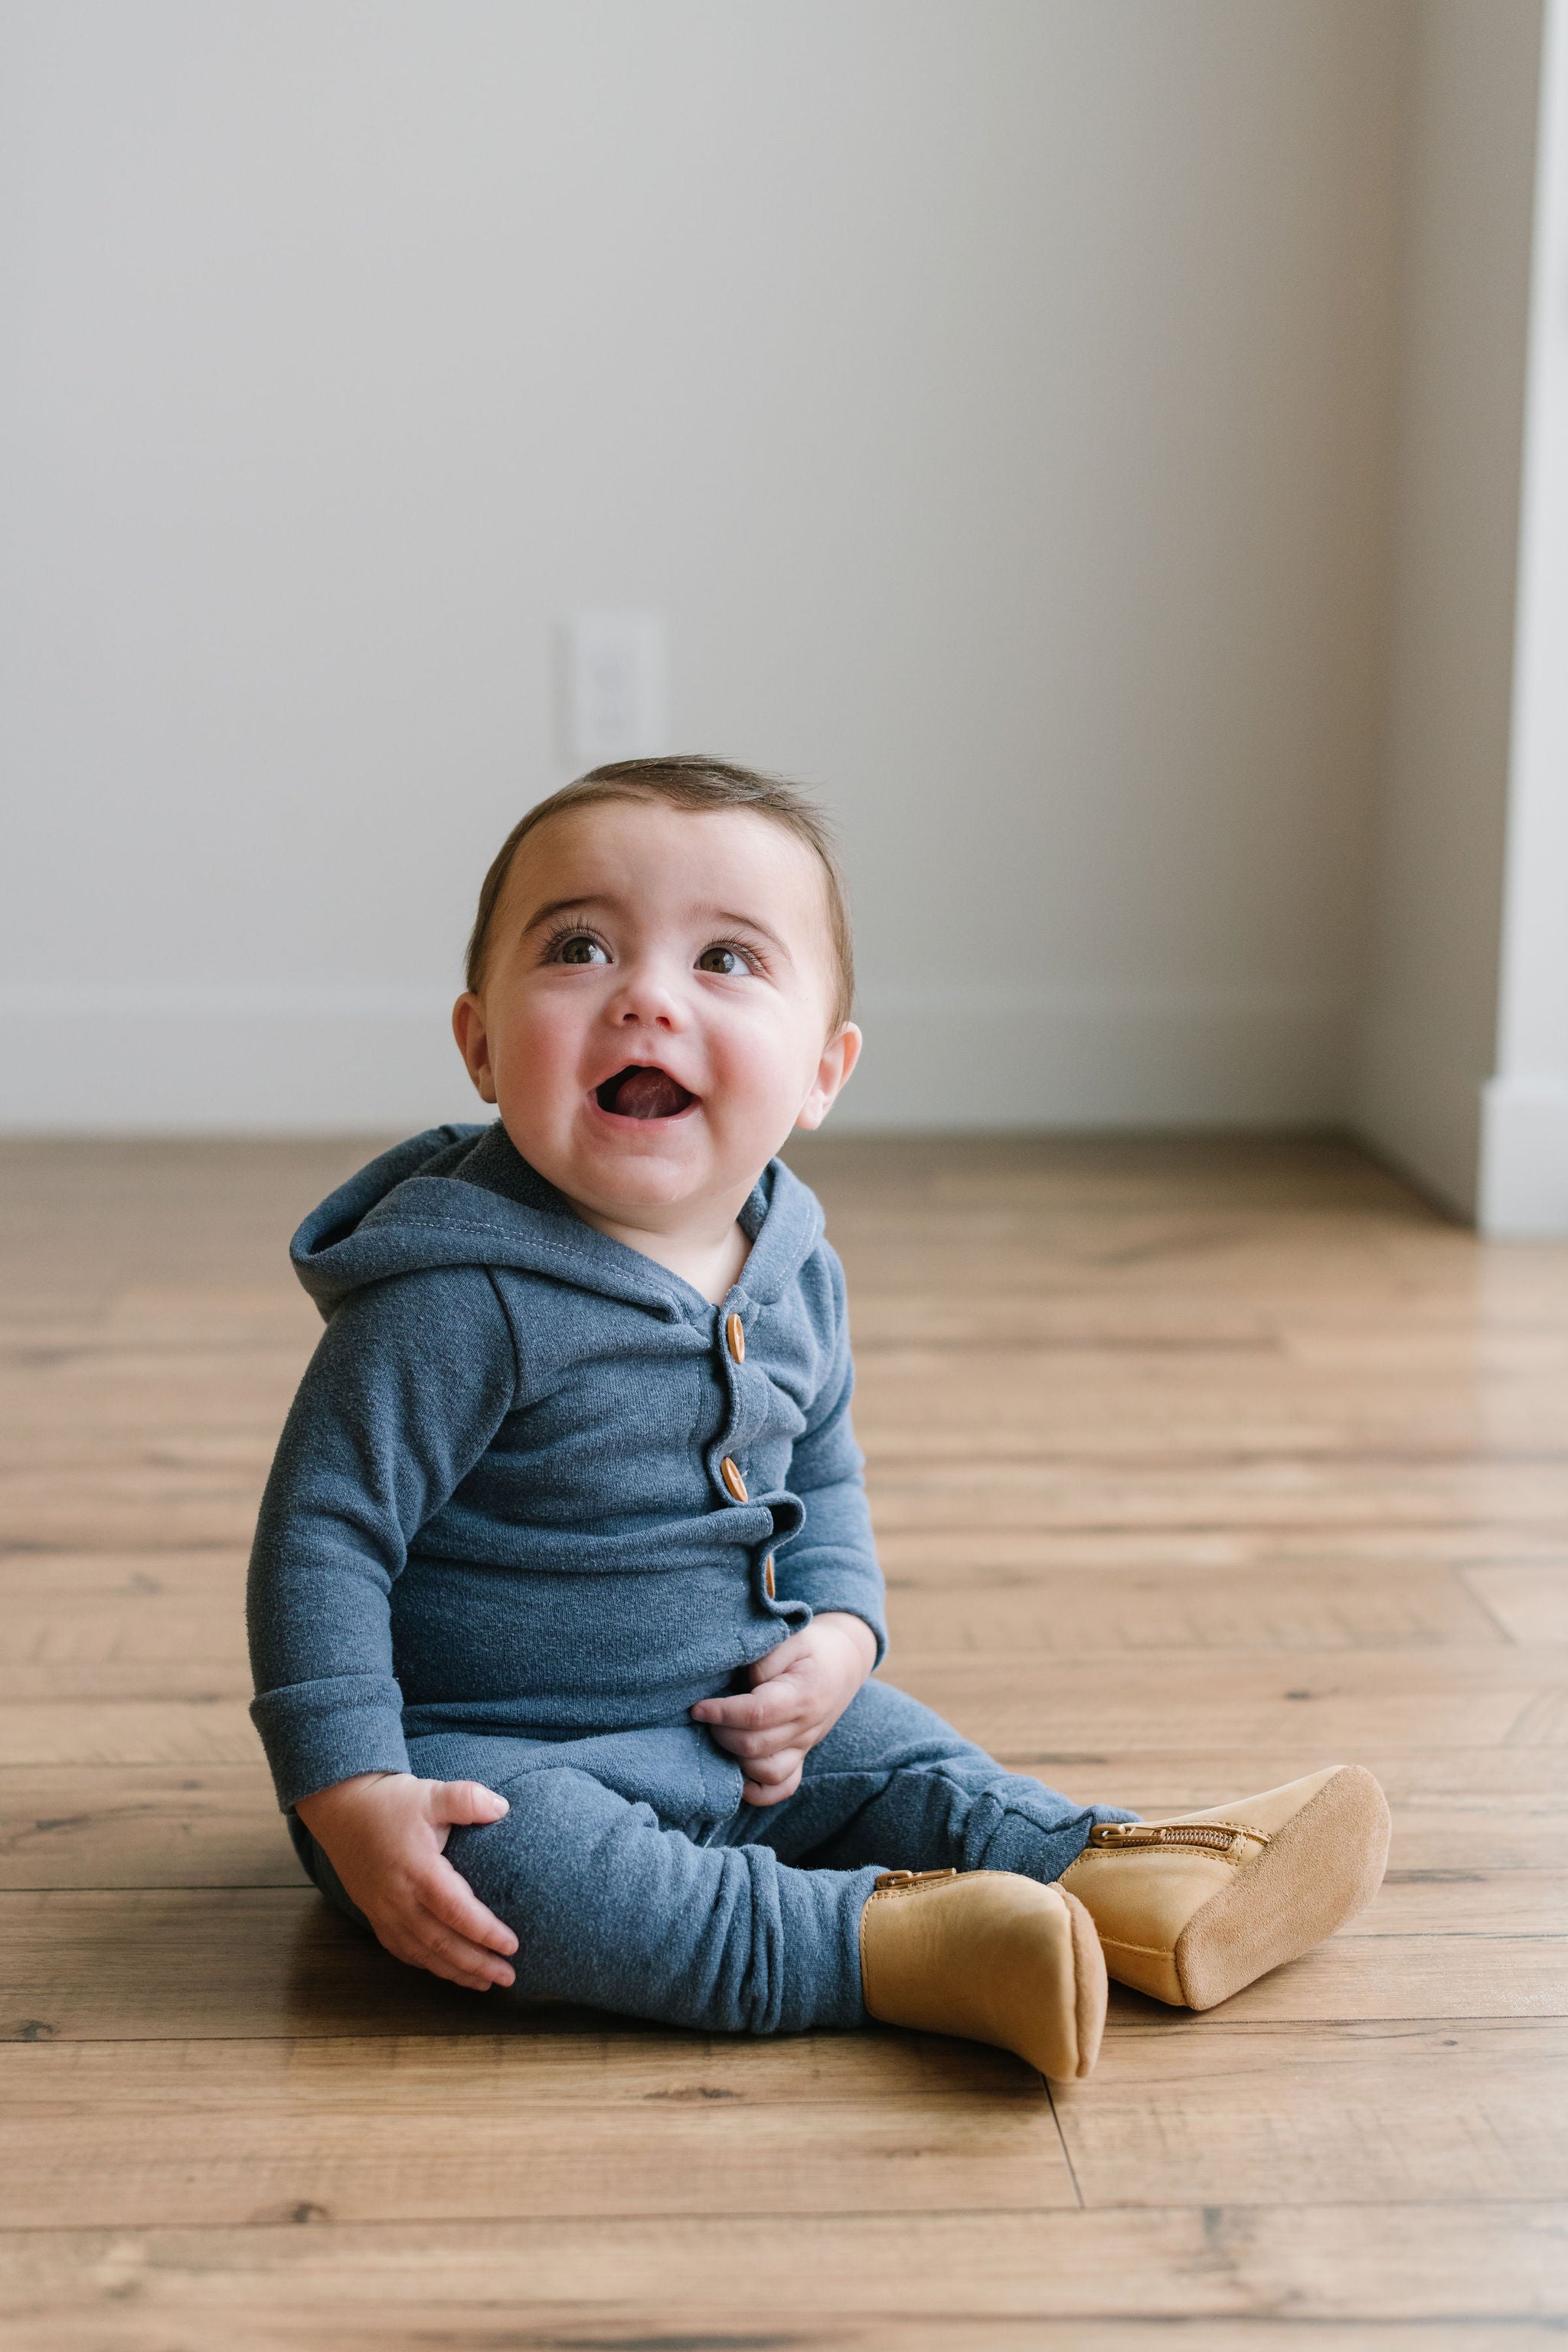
839,1057
473,1042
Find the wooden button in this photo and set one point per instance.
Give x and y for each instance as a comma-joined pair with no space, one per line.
768,1585
735,1332
732,1479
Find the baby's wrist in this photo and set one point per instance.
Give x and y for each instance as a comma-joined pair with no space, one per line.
855,1631
323,1803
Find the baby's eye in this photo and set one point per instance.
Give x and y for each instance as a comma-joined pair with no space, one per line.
577,947
729,961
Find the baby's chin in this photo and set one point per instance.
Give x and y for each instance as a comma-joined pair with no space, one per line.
639,1164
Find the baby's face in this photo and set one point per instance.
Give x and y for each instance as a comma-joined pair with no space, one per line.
656,1008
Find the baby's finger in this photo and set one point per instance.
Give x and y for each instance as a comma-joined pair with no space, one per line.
769,1771
445,1893
751,1710
774,1791
411,1941
787,1658
772,1742
464,1804
454,1957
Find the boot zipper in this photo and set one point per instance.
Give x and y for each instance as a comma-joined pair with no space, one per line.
1216,1837
904,1882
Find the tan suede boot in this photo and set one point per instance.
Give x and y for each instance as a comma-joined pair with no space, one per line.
989,1956
1191,1909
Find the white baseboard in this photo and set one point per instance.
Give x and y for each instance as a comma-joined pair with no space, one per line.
1524,1158
1493,1149
278,1061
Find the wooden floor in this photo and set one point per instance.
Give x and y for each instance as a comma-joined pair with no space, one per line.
1195,1467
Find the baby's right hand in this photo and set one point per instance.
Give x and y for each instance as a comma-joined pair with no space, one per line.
384,1833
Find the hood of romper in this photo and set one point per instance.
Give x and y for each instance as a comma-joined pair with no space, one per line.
466,1196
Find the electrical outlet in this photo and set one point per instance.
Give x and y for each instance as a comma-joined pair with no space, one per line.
616,699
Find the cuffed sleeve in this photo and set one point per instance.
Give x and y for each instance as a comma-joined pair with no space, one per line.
411,1380
319,1733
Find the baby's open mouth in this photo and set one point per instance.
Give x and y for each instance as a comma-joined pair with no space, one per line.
641,1092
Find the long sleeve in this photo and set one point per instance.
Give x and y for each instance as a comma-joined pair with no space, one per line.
831,1563
411,1380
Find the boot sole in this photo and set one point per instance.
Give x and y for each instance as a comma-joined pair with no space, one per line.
1091,1988
1090,1992
1325,1863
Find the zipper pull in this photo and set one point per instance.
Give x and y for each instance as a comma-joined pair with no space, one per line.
898,1882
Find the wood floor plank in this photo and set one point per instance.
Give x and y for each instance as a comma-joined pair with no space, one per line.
1476,1902
129,1505
1395,2113
1343,1705
270,1963
47,1638
128,2133
198,1577
66,1584
1529,1602
1445,1781
1423,2265
1264,1492
410,2324
90,1825
199,1681
955,1556
224,1963
120,1732
1414,1977
1149,1609
1122,1406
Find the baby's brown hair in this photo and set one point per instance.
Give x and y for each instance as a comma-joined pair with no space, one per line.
687,780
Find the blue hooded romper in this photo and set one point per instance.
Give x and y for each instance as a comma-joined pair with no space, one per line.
535,1497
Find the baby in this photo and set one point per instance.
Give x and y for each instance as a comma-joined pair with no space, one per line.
564,1606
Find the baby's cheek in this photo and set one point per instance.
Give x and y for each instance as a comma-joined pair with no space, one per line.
759,1077
541,1053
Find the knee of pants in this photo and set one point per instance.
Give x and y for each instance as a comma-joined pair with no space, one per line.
560,1827
573,1868
612,1909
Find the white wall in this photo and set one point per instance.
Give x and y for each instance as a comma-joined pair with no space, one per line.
1430,1040
995,396
1524,1148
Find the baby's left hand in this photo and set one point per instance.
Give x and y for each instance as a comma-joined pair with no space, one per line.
798,1693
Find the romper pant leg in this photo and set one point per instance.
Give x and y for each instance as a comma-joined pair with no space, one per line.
894,1786
614,1910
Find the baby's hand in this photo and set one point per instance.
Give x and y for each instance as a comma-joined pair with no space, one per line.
383,1834
798,1693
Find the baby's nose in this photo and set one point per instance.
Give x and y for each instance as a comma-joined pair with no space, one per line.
648,1000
